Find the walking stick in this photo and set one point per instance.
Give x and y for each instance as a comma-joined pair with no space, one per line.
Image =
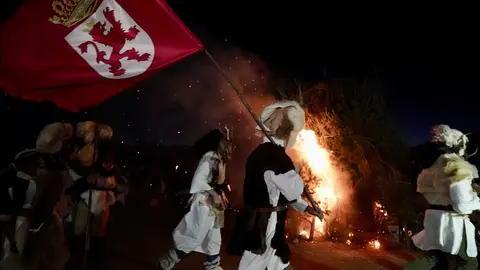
88,229
254,116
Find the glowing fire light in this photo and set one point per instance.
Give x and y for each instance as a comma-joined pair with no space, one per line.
375,244
318,160
381,214
304,233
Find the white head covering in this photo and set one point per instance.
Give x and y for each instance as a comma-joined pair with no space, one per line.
450,137
294,112
51,137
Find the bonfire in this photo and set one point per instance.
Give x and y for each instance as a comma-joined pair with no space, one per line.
323,180
330,187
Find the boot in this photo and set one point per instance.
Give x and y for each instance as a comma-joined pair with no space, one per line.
213,265
168,261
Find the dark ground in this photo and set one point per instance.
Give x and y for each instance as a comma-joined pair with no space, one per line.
138,234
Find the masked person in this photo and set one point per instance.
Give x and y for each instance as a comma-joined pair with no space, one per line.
18,186
104,192
447,186
41,175
94,161
271,187
17,191
199,230
56,139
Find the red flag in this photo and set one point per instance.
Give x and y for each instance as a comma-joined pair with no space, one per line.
77,53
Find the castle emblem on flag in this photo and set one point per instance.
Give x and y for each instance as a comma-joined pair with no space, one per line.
112,43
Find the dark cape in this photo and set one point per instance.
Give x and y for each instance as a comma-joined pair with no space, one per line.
251,226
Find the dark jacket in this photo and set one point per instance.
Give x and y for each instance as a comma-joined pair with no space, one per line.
251,227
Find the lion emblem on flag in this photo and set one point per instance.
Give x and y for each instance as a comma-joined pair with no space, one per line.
112,43
116,38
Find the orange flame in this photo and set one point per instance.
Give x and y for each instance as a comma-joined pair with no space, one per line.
326,193
304,233
379,210
375,244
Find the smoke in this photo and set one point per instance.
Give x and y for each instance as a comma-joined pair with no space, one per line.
197,98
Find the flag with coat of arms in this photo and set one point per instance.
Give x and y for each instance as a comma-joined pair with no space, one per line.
78,53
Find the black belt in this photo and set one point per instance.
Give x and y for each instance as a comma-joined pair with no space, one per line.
440,207
269,209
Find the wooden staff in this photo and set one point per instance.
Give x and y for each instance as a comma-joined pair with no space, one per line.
254,116
88,229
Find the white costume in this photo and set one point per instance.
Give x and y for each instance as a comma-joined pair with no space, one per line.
196,231
101,199
444,230
199,229
101,202
447,187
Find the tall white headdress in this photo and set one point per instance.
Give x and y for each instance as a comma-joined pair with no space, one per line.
294,112
448,136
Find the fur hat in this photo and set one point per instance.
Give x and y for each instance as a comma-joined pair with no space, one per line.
273,113
450,137
51,137
86,131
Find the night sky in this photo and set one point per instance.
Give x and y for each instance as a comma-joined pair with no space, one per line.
260,48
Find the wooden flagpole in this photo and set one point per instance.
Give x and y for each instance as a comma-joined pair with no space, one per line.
259,123
88,227
240,95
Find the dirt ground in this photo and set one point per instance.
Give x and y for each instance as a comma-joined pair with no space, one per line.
138,234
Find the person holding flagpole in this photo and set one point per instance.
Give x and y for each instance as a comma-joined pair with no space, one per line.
272,186
199,230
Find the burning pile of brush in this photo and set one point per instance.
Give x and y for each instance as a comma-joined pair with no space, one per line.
331,189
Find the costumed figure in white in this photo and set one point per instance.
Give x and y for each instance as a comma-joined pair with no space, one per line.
272,186
34,198
199,230
447,187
